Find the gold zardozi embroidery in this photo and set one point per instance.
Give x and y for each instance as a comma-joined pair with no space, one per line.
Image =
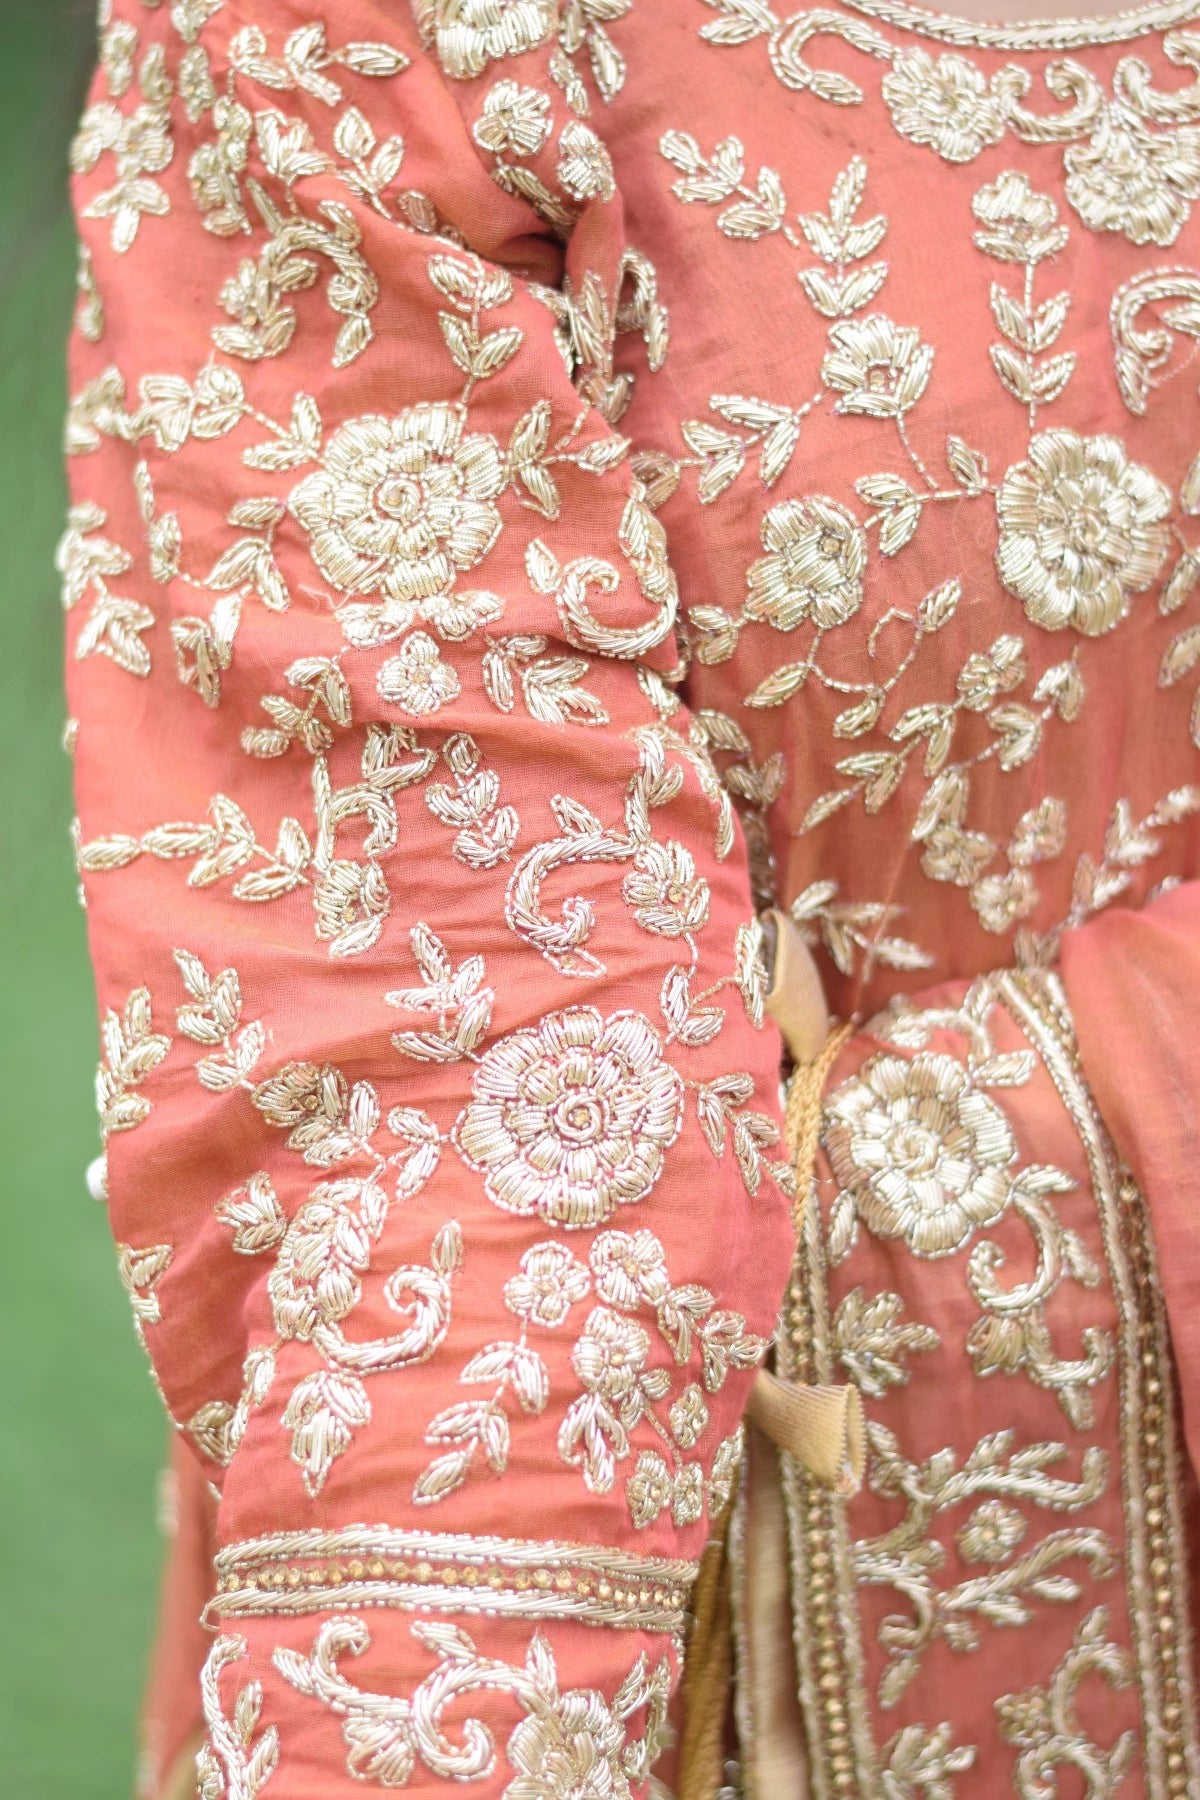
563,1738
921,1154
306,1571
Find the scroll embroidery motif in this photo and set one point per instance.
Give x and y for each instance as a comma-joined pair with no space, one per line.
1132,159
921,1153
564,1739
241,1754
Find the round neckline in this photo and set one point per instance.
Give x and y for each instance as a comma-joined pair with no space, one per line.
1029,34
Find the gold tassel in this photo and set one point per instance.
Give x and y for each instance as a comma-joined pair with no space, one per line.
821,1427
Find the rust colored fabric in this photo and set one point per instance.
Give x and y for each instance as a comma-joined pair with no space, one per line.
551,482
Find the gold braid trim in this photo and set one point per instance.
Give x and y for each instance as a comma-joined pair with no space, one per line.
822,1427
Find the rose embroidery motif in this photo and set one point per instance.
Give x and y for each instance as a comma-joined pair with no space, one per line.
817,554
1081,530
947,104
572,1118
880,369
924,1155
399,506
1135,181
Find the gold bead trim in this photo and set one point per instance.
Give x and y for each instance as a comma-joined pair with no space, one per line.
1156,1576
310,1571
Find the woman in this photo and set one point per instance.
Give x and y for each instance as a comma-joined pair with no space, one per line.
553,483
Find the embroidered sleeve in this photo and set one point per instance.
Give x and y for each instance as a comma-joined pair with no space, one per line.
439,1114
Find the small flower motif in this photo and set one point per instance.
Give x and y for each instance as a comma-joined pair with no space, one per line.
992,1533
648,1490
514,119
988,673
310,1101
1135,181
666,894
689,1417
454,616
570,1745
1081,531
1019,224
352,901
1024,1718
924,1155
551,1282
400,505
584,165
816,557
880,369
417,680
687,1498
610,1355
469,34
1002,900
630,1267
1040,833
724,1472
214,167
947,104
952,854
573,1117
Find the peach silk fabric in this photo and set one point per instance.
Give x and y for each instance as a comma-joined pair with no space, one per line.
548,482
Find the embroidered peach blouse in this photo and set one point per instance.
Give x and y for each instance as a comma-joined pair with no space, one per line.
549,482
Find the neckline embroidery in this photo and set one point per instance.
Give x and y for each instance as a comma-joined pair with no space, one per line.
1029,34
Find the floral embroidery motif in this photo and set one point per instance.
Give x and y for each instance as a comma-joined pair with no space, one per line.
991,1503
816,557
1021,226
400,504
1044,1727
417,680
1126,178
472,33
925,1155
565,1122
879,369
621,1389
947,104
1080,527
1081,531
1132,160
573,1119
138,142
566,1741
551,1282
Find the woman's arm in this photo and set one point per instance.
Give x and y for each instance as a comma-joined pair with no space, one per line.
439,1109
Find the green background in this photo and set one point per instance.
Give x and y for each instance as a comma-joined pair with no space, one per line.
81,1434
